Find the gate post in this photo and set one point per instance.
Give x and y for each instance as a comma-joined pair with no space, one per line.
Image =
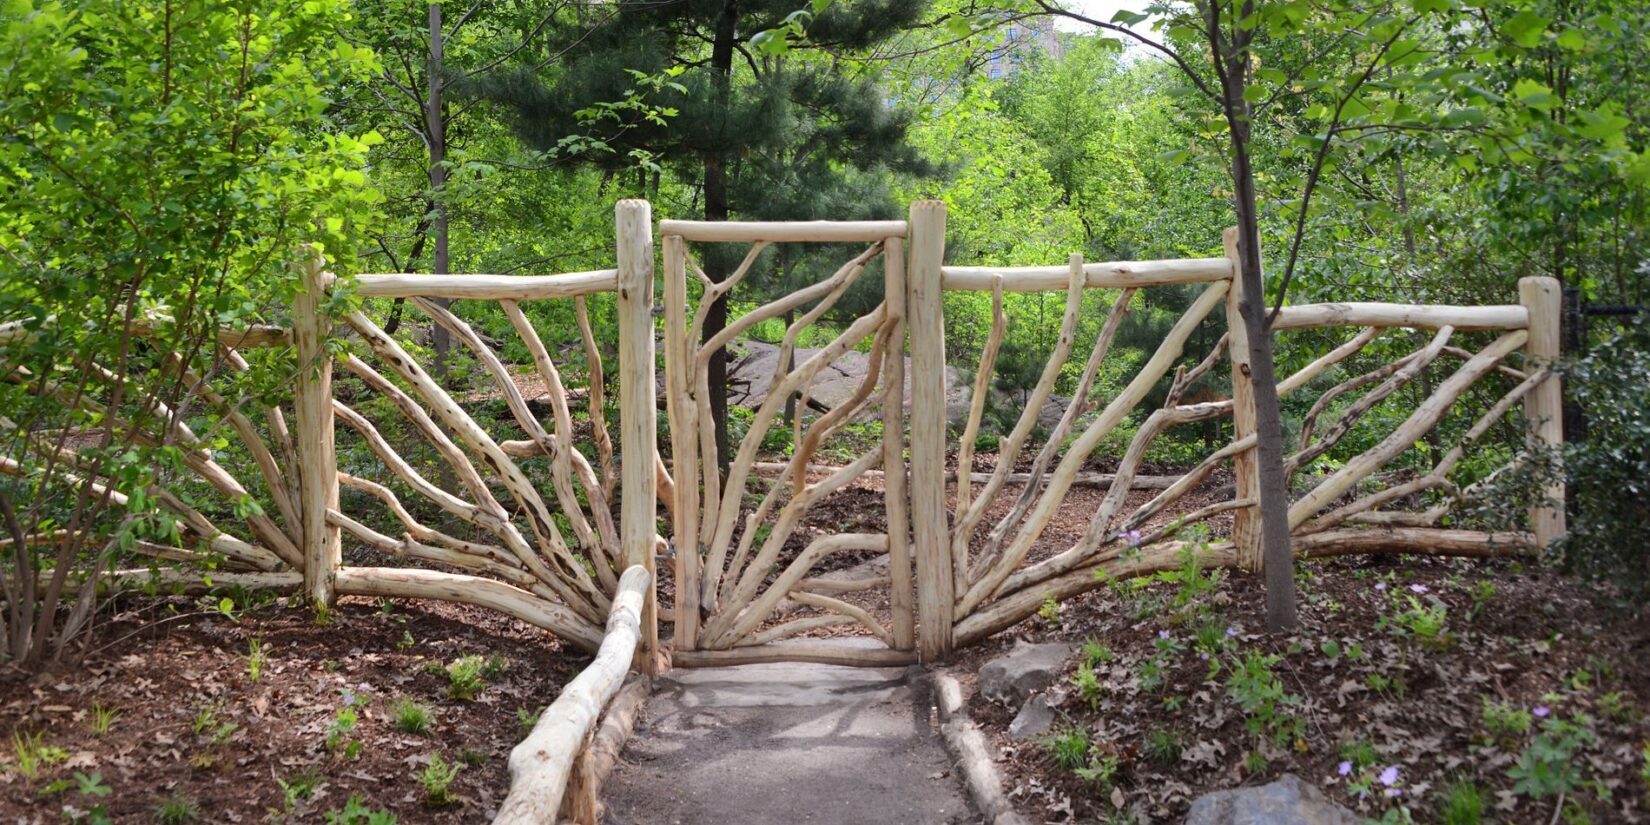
1245,469
638,416
930,531
319,543
1544,406
893,449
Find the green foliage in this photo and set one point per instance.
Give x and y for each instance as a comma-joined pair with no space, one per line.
177,809
1070,749
1463,803
465,677
1259,693
1049,611
102,718
1504,722
1548,767
1163,746
437,779
255,655
298,788
410,717
356,812
1088,685
1096,654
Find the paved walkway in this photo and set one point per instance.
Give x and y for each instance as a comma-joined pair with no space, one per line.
787,743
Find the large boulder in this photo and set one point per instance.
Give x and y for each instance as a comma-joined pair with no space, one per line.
1014,676
1287,801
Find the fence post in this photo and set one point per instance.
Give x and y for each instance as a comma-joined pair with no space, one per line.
684,442
1245,470
638,416
930,531
900,591
317,468
1544,406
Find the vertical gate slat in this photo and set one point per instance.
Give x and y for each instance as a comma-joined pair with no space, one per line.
893,450
638,513
936,591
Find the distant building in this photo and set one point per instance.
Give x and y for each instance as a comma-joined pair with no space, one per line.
1021,40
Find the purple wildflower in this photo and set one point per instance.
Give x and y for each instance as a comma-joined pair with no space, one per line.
1231,631
1132,538
1344,768
1541,711
1390,792
1389,777
1380,585
1418,588
1162,634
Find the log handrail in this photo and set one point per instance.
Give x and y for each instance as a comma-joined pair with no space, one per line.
541,765
782,231
1415,316
486,287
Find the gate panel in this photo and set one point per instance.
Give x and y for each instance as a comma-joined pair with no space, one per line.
751,549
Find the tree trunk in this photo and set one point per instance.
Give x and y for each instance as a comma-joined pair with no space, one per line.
716,209
1232,60
436,126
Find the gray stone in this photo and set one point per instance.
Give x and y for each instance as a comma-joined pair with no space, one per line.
1287,801
1033,720
1014,676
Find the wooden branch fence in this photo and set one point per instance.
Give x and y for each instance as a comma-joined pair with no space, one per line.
953,556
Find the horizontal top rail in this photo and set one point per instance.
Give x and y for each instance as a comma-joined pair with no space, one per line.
1417,316
1104,275
487,287
784,231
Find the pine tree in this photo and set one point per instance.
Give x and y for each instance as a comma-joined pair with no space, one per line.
767,138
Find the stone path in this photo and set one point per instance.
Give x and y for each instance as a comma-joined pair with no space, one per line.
788,743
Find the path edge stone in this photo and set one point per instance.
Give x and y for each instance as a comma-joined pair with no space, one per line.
972,753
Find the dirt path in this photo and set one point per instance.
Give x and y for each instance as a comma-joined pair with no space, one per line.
788,743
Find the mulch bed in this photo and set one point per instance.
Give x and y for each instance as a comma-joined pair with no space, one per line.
1364,687
193,726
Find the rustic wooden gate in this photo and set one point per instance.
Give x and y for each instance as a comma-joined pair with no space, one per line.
747,558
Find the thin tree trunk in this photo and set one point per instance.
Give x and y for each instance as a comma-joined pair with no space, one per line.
1232,63
716,209
436,126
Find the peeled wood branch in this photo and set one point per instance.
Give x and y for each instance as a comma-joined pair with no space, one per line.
783,231
541,764
1108,275
474,590
976,410
1410,368
486,287
1430,316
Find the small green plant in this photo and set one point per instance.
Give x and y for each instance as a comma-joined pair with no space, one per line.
177,809
1088,685
1101,769
1096,654
300,787
355,812
1644,765
103,718
1149,673
407,641
1163,746
206,718
30,753
1616,708
1463,804
472,758
1070,749
1212,636
1359,754
1482,594
410,717
1548,766
464,678
437,780
1050,611
1259,693
90,789
255,659
1426,623
528,719
339,729
1503,722
495,667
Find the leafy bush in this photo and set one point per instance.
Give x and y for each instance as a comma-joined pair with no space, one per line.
1609,472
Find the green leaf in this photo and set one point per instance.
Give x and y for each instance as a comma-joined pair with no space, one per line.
1572,39
1602,126
1534,95
1525,28
1254,94
1124,17
1424,6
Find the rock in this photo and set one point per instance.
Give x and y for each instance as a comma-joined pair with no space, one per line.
1287,801
1033,720
1012,677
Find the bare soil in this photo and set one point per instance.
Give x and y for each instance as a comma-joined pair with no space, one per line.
193,725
